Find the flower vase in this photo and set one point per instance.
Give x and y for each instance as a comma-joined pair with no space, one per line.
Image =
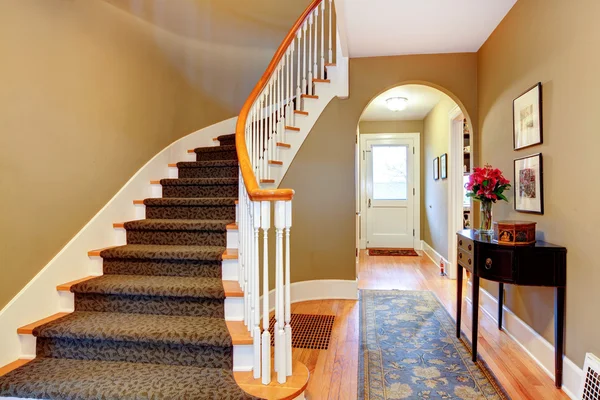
485,226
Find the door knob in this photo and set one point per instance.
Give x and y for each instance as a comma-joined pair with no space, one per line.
488,263
369,203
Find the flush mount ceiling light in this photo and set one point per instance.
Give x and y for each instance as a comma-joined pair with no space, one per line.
397,103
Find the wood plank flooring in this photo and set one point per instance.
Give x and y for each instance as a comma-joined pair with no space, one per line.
334,372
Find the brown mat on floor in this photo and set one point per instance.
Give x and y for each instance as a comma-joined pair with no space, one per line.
309,331
393,252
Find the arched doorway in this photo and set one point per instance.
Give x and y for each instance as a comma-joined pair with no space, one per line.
429,117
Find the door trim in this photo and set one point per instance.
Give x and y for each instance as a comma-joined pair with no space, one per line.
455,178
362,201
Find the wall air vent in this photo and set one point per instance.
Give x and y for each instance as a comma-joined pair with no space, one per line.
590,387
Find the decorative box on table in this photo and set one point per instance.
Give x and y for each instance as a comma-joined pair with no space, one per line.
514,233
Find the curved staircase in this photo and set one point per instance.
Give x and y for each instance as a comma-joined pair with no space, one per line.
178,312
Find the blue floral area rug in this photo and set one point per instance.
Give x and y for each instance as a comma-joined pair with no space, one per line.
409,350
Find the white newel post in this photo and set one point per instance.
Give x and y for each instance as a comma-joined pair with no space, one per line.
256,221
265,217
280,352
288,299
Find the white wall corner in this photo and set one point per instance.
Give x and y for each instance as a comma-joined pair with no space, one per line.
538,348
435,256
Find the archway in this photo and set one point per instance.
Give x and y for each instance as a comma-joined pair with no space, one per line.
431,114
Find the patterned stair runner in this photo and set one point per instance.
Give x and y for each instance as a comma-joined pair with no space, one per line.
153,326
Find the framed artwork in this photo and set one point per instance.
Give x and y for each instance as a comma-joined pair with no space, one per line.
529,184
527,118
436,168
444,166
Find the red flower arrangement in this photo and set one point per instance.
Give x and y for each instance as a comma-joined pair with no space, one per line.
487,185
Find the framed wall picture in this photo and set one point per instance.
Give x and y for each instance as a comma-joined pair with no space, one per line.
436,168
529,184
444,166
527,118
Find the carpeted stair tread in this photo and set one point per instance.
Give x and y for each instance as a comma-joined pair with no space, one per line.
163,252
190,202
55,378
200,164
213,149
178,225
230,136
141,285
139,328
198,181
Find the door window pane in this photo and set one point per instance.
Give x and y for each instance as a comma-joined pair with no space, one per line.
390,171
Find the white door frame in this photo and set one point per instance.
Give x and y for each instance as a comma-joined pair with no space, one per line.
455,179
362,201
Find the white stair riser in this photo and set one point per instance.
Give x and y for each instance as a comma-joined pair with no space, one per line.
232,239
173,172
140,211
230,270
155,191
234,309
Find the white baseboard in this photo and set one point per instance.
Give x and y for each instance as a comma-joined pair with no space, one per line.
538,348
324,289
435,256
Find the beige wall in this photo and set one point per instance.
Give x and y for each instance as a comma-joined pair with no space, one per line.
434,203
391,126
91,90
323,172
554,42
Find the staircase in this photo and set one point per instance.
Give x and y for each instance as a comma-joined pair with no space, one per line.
178,312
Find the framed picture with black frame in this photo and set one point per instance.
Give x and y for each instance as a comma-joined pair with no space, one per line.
444,166
527,118
529,184
436,168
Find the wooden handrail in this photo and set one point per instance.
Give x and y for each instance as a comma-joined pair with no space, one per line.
254,191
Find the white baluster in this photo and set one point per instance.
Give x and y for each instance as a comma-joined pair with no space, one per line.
322,76
304,87
261,130
299,56
316,50
330,32
265,216
292,120
310,43
255,266
269,131
280,339
288,298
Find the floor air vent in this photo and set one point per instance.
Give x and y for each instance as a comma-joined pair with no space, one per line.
590,387
308,331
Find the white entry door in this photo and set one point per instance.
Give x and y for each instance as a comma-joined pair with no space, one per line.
390,193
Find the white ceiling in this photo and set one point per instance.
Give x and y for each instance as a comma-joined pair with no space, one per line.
395,27
421,99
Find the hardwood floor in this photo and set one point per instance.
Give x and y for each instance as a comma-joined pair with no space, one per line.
334,372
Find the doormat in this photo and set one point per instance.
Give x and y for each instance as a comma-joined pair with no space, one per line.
309,331
393,252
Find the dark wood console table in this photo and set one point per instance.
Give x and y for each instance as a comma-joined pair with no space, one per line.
542,264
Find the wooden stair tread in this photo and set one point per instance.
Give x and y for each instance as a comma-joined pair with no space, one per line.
232,227
232,289
173,165
330,64
239,333
155,182
66,287
191,151
13,365
309,96
300,112
286,145
317,80
119,225
138,202
96,253
292,388
275,162
230,254
293,128
267,181
28,329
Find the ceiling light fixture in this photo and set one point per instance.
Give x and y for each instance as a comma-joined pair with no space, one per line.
397,103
